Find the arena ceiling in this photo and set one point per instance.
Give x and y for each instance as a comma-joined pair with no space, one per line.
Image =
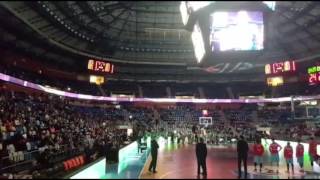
142,34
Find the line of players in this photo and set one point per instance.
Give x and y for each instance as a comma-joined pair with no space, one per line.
275,148
258,150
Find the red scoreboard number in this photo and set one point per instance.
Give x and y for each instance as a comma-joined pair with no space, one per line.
281,67
100,66
314,78
314,75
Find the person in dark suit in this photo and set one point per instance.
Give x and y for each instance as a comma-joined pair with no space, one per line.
154,155
201,152
242,149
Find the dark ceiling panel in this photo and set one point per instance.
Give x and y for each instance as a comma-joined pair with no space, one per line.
118,28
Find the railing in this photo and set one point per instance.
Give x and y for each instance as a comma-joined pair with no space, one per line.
14,161
26,159
34,86
22,160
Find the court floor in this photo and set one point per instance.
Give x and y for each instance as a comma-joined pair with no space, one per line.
179,162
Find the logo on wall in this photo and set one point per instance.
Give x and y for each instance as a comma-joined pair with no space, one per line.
225,67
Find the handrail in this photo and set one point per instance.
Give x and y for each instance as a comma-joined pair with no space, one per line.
36,150
25,161
24,153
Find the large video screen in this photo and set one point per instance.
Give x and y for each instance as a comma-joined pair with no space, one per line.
236,31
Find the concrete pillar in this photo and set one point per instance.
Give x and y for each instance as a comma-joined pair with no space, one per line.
101,90
230,93
168,89
201,93
140,91
292,108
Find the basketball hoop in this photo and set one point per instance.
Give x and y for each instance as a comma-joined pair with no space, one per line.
205,121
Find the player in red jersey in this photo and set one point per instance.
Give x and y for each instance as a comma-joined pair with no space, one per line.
288,155
258,151
274,149
299,154
313,150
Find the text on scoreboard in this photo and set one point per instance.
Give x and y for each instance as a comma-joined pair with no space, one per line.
100,66
275,81
314,75
281,67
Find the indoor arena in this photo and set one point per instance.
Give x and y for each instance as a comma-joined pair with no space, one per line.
159,90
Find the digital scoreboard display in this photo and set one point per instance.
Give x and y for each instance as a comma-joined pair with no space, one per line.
314,75
275,81
96,79
279,68
278,73
100,66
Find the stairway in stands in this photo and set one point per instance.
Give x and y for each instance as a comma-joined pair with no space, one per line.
156,117
222,116
101,90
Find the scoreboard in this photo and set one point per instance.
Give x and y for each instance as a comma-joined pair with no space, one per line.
277,73
96,79
279,68
314,75
275,81
100,66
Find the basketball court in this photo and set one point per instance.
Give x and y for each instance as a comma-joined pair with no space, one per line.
179,162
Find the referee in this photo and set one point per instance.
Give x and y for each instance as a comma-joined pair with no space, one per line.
154,155
242,149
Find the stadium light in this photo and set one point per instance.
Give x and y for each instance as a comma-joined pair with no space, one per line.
184,13
205,112
187,7
198,43
270,4
196,5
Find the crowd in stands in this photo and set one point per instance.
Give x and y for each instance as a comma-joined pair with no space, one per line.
236,115
48,129
45,129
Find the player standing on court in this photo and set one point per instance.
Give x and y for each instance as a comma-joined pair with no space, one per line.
258,151
288,155
313,151
274,149
299,154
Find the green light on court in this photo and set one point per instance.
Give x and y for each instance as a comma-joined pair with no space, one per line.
125,154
